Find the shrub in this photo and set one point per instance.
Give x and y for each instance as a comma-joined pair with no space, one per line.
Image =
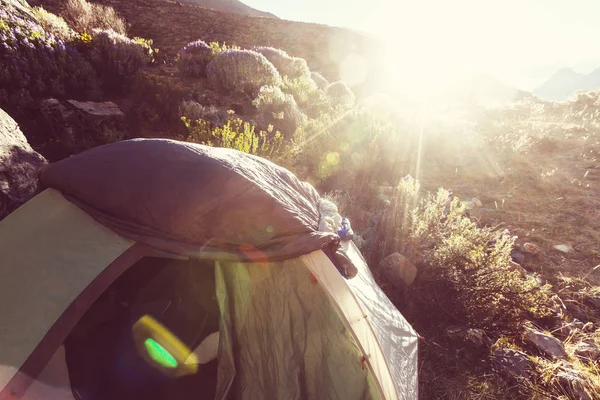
235,134
468,264
278,109
54,24
293,67
84,17
340,94
217,48
320,80
194,58
308,96
195,111
36,64
241,70
116,56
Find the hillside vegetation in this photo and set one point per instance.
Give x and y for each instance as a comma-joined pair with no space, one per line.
476,198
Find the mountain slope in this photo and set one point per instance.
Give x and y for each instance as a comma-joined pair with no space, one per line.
232,6
564,83
171,26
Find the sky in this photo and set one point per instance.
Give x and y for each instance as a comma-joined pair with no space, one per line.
519,42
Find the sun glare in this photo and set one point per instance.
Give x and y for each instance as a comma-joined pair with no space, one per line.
431,45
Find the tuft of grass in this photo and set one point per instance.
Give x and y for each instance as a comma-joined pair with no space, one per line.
292,67
54,24
84,16
235,134
278,109
241,71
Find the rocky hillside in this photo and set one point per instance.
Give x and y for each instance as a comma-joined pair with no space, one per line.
172,25
231,6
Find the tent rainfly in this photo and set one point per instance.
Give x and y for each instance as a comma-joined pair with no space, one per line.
299,313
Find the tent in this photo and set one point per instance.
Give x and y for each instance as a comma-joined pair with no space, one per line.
298,313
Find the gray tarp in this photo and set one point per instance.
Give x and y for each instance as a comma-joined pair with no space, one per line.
186,198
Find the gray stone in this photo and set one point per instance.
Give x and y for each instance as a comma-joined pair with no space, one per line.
517,257
573,383
594,302
474,336
546,344
398,269
513,363
78,126
587,349
563,248
19,166
571,327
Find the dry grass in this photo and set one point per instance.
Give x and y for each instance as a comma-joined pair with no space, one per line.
84,16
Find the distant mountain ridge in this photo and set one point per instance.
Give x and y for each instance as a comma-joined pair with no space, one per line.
232,6
566,82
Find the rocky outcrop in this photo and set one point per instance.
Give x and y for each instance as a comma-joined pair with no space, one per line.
19,166
513,363
398,270
75,126
546,344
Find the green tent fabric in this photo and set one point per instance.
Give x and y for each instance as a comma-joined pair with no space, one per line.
283,338
291,326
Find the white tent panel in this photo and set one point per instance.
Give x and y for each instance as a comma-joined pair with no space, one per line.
396,337
335,285
50,251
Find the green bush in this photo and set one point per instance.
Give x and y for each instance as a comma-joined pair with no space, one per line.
235,134
308,96
217,47
241,71
194,58
35,64
195,111
84,17
54,24
278,109
319,80
293,67
340,94
116,56
469,264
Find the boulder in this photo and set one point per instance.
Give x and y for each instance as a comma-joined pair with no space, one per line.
398,269
75,126
546,344
571,327
19,166
474,336
513,363
587,349
573,383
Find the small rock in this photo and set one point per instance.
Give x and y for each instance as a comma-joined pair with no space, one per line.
398,269
509,196
517,257
569,328
470,205
574,383
475,336
513,266
587,349
78,126
19,166
476,202
562,248
531,249
546,344
513,362
594,302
